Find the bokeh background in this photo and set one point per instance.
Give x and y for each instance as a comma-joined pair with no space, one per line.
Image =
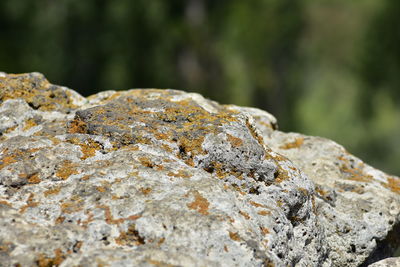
322,67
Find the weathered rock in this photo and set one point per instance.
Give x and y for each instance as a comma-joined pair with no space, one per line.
145,177
358,205
164,177
389,262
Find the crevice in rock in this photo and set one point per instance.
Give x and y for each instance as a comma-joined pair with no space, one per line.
385,248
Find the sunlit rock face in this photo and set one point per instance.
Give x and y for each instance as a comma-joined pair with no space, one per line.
168,178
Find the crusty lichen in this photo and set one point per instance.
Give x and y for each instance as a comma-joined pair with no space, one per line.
36,91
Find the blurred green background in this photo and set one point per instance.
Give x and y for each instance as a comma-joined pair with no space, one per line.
322,67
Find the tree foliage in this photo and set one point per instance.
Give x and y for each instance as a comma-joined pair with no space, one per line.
327,68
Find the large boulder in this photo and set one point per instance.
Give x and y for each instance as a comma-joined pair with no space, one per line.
168,178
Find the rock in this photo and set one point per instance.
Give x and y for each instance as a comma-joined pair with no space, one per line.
358,205
389,262
164,177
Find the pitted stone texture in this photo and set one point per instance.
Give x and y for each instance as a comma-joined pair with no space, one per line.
389,262
358,205
145,178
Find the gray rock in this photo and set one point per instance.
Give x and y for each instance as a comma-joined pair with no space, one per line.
144,177
358,205
389,262
168,178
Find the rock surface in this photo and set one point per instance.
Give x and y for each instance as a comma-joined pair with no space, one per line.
357,204
389,262
168,178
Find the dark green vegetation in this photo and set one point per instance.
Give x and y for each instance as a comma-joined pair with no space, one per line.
328,68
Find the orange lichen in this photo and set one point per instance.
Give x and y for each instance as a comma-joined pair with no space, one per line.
77,126
145,190
145,161
7,160
264,212
255,204
31,178
281,175
108,215
29,123
179,174
52,191
355,174
29,204
393,184
36,91
130,238
59,220
5,203
226,248
234,236
89,148
55,140
89,218
74,205
264,230
101,189
304,191
321,192
86,177
200,204
235,142
66,170
352,172
298,142
254,133
244,214
44,261
34,178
